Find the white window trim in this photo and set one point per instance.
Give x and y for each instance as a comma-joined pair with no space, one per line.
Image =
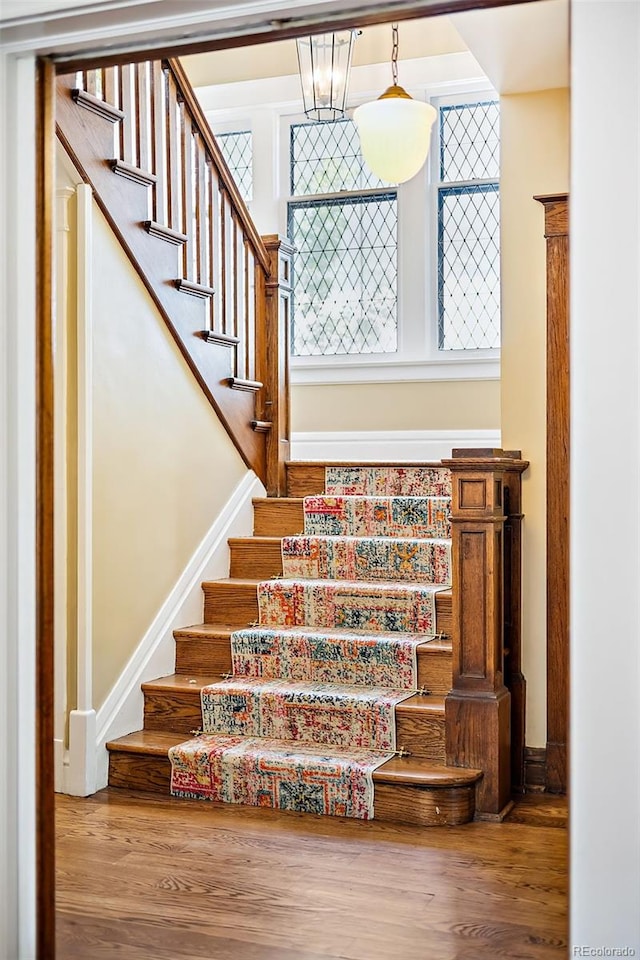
268,108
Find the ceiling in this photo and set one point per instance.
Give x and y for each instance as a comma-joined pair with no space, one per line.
521,47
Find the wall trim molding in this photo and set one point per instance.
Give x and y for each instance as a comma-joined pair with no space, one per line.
388,444
122,711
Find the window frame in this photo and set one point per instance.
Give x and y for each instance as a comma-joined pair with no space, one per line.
435,186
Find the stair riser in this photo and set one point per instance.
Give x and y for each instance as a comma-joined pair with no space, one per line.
255,560
277,518
214,657
421,806
237,605
305,479
180,711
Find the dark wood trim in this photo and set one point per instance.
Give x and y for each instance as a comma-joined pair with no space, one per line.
194,289
261,426
479,707
164,233
222,339
103,109
273,360
535,769
251,386
556,211
130,172
364,14
45,816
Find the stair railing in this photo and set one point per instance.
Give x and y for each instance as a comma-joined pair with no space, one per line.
143,142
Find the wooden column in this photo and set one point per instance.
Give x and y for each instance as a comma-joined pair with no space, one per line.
273,354
556,218
478,709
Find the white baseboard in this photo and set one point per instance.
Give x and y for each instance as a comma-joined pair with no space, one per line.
388,444
122,711
81,763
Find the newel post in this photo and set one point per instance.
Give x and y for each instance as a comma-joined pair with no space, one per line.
478,708
274,362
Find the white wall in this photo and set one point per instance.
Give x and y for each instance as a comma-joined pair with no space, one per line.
605,475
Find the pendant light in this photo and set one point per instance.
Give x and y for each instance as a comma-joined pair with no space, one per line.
324,62
395,129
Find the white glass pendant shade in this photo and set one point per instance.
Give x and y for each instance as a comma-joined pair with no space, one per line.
324,62
395,132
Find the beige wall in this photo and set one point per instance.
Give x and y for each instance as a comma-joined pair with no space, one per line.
418,38
535,160
447,405
163,464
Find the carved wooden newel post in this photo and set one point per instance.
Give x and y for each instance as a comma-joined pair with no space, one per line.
274,362
478,709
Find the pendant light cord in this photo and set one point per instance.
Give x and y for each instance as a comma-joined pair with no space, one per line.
394,54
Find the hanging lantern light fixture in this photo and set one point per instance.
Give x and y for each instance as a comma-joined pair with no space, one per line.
324,62
395,129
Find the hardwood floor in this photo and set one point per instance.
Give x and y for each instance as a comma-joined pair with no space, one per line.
142,877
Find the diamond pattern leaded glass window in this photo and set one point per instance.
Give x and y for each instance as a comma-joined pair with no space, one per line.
469,227
345,275
237,150
345,267
326,158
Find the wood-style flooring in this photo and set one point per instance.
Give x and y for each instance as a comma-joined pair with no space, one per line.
142,877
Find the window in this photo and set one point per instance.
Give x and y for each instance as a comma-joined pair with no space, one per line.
468,227
390,282
237,150
345,232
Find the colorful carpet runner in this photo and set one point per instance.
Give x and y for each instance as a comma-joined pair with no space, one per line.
309,712
326,656
276,773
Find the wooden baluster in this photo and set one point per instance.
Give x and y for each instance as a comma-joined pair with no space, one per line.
158,142
203,215
478,709
273,311
128,125
250,310
228,254
173,154
91,82
186,144
239,300
110,86
143,115
215,251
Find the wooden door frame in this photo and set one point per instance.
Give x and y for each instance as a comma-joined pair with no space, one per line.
384,12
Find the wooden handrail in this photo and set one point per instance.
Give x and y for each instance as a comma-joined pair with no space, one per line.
174,204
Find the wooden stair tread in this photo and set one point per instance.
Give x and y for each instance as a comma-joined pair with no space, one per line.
223,631
362,463
254,581
418,704
399,770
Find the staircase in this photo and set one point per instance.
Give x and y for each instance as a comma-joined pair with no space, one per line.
137,134
418,786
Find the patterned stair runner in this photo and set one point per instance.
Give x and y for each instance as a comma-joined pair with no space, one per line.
309,712
326,656
335,516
